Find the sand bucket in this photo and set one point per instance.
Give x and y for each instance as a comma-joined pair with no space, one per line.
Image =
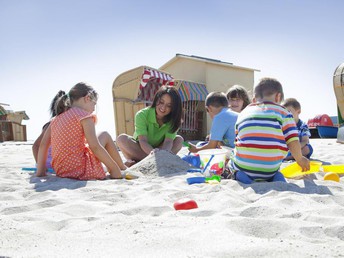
213,161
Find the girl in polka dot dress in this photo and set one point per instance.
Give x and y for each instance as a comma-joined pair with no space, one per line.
77,152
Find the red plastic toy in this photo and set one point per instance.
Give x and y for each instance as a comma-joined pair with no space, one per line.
185,204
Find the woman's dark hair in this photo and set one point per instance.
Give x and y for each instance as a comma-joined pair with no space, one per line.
175,115
78,91
238,91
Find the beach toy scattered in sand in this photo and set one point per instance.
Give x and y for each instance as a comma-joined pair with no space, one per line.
216,178
201,179
212,182
193,159
129,175
50,170
194,170
185,204
332,176
217,168
294,170
337,168
212,161
195,180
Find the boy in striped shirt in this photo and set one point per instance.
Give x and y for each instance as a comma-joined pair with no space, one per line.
265,133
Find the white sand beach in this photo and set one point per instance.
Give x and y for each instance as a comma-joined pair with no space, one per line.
55,217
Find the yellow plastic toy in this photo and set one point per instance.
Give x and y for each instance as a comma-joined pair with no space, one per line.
332,176
337,168
294,170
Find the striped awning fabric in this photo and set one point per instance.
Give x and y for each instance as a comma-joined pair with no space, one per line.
2,110
149,74
192,91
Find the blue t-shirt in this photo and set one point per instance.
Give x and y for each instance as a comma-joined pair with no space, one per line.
223,127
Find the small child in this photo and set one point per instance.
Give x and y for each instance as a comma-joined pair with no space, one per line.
238,98
37,142
77,152
223,126
294,108
265,131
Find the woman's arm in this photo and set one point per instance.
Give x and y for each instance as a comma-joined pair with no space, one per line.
167,144
97,149
43,153
145,146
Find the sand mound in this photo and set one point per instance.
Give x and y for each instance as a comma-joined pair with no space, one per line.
160,163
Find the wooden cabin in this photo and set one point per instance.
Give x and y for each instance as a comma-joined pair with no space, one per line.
11,127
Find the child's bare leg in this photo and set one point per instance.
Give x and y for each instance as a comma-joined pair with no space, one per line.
106,141
177,144
130,148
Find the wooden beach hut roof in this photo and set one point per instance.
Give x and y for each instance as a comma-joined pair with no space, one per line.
130,84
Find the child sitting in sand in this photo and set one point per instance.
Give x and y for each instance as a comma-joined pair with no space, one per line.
294,107
223,126
265,132
37,142
238,98
156,127
76,150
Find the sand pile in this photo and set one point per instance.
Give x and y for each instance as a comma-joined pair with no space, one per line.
160,163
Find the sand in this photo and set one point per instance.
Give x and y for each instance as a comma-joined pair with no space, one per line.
54,217
161,163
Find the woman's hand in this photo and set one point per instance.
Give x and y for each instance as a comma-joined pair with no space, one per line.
155,150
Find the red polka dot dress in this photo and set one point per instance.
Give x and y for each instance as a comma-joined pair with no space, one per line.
71,156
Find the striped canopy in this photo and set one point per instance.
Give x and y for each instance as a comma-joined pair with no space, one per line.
150,74
192,91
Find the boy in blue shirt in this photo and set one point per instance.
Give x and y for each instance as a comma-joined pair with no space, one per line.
222,131
294,108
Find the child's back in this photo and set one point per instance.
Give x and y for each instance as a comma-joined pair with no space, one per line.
72,158
265,131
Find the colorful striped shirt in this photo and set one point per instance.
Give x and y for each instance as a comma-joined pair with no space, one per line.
263,132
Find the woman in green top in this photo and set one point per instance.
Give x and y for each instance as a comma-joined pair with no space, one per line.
156,127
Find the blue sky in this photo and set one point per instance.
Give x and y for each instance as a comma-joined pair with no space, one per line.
50,45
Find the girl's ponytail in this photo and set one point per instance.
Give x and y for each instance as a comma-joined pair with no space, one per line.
53,103
62,104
